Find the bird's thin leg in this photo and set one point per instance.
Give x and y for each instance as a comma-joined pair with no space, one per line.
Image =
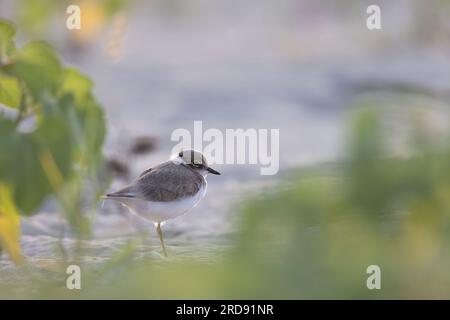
158,229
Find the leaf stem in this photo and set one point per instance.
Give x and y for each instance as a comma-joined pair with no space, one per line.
23,103
22,109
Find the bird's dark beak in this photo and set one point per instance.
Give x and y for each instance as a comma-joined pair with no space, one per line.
211,170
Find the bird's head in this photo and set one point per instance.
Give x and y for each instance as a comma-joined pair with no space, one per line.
195,160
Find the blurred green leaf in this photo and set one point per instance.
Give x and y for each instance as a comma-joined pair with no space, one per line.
114,6
7,33
77,84
38,66
9,91
19,160
68,134
34,15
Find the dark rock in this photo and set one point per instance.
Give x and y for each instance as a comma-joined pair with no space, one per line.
117,167
143,144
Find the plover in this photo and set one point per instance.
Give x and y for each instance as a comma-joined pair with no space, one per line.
168,190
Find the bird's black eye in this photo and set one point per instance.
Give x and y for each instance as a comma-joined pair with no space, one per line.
180,154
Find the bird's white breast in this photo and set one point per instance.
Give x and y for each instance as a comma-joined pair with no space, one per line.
162,211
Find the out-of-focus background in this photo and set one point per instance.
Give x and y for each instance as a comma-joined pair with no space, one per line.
363,119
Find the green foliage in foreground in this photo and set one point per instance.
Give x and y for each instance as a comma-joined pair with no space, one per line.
35,16
314,239
62,142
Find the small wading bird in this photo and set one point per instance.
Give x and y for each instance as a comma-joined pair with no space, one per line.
167,190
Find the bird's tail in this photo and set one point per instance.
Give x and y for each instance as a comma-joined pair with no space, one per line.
124,193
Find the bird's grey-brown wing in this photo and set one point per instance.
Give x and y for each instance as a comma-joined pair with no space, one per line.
166,182
169,181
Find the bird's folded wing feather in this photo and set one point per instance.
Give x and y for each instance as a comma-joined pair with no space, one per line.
166,182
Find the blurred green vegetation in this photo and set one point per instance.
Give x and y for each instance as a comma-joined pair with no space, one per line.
61,145
314,239
34,16
38,18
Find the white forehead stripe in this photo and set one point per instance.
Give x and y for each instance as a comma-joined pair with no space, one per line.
178,160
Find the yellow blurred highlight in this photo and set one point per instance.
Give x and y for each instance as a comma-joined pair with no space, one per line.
51,170
9,226
93,17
